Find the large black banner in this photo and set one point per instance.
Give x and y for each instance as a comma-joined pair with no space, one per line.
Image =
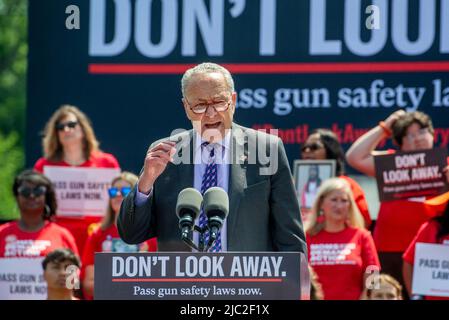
297,64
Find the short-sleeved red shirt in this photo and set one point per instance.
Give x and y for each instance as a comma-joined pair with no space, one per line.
360,199
97,159
109,241
15,243
426,234
340,260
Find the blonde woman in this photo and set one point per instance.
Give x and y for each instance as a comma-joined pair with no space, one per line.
341,251
69,141
388,288
106,237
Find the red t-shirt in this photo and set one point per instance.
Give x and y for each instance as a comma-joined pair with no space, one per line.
97,159
426,234
15,243
398,221
78,226
360,200
109,241
340,260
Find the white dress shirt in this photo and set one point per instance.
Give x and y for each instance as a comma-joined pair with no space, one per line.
201,156
222,156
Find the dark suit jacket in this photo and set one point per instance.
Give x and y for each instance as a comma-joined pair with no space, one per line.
263,209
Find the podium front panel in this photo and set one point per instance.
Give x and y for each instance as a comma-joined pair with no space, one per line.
198,276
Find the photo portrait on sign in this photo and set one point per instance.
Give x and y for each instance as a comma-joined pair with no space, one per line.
309,175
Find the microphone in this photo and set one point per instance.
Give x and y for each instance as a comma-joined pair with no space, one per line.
188,207
216,207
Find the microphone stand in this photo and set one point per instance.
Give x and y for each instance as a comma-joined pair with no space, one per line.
212,238
202,247
189,242
201,241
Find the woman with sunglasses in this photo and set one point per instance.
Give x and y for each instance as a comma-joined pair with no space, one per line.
106,237
69,141
398,221
34,234
323,144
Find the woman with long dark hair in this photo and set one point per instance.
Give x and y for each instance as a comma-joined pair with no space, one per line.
323,144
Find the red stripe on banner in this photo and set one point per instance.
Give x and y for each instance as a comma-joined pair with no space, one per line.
198,280
276,68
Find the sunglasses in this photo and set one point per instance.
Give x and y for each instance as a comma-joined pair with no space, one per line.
311,146
27,191
114,192
71,124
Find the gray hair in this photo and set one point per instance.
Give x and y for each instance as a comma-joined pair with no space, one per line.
206,67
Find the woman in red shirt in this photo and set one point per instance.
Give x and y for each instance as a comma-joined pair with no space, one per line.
434,231
106,238
341,251
69,141
323,144
398,220
34,234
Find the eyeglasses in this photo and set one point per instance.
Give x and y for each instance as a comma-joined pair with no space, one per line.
61,126
421,132
114,192
201,108
27,191
311,146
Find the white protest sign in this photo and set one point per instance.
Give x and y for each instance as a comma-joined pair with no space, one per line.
81,191
22,279
431,270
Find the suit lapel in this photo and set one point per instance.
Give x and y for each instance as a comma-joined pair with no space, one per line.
237,179
185,169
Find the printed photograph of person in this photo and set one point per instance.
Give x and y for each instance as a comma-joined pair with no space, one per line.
308,177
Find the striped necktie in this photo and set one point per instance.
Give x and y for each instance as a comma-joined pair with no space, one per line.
209,180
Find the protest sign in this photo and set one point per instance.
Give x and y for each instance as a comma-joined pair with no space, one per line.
22,279
404,175
431,270
81,191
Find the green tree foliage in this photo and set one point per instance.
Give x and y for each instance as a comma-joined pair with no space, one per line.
11,161
13,64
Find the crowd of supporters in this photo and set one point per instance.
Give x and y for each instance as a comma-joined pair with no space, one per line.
345,260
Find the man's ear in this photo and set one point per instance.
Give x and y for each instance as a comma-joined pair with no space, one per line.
186,108
234,99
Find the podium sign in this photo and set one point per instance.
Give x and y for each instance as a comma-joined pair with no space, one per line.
197,276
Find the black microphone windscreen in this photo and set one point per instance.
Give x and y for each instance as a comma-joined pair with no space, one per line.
189,199
216,201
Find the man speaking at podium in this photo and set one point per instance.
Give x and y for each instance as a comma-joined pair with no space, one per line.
251,166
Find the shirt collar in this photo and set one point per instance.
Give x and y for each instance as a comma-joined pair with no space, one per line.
224,143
